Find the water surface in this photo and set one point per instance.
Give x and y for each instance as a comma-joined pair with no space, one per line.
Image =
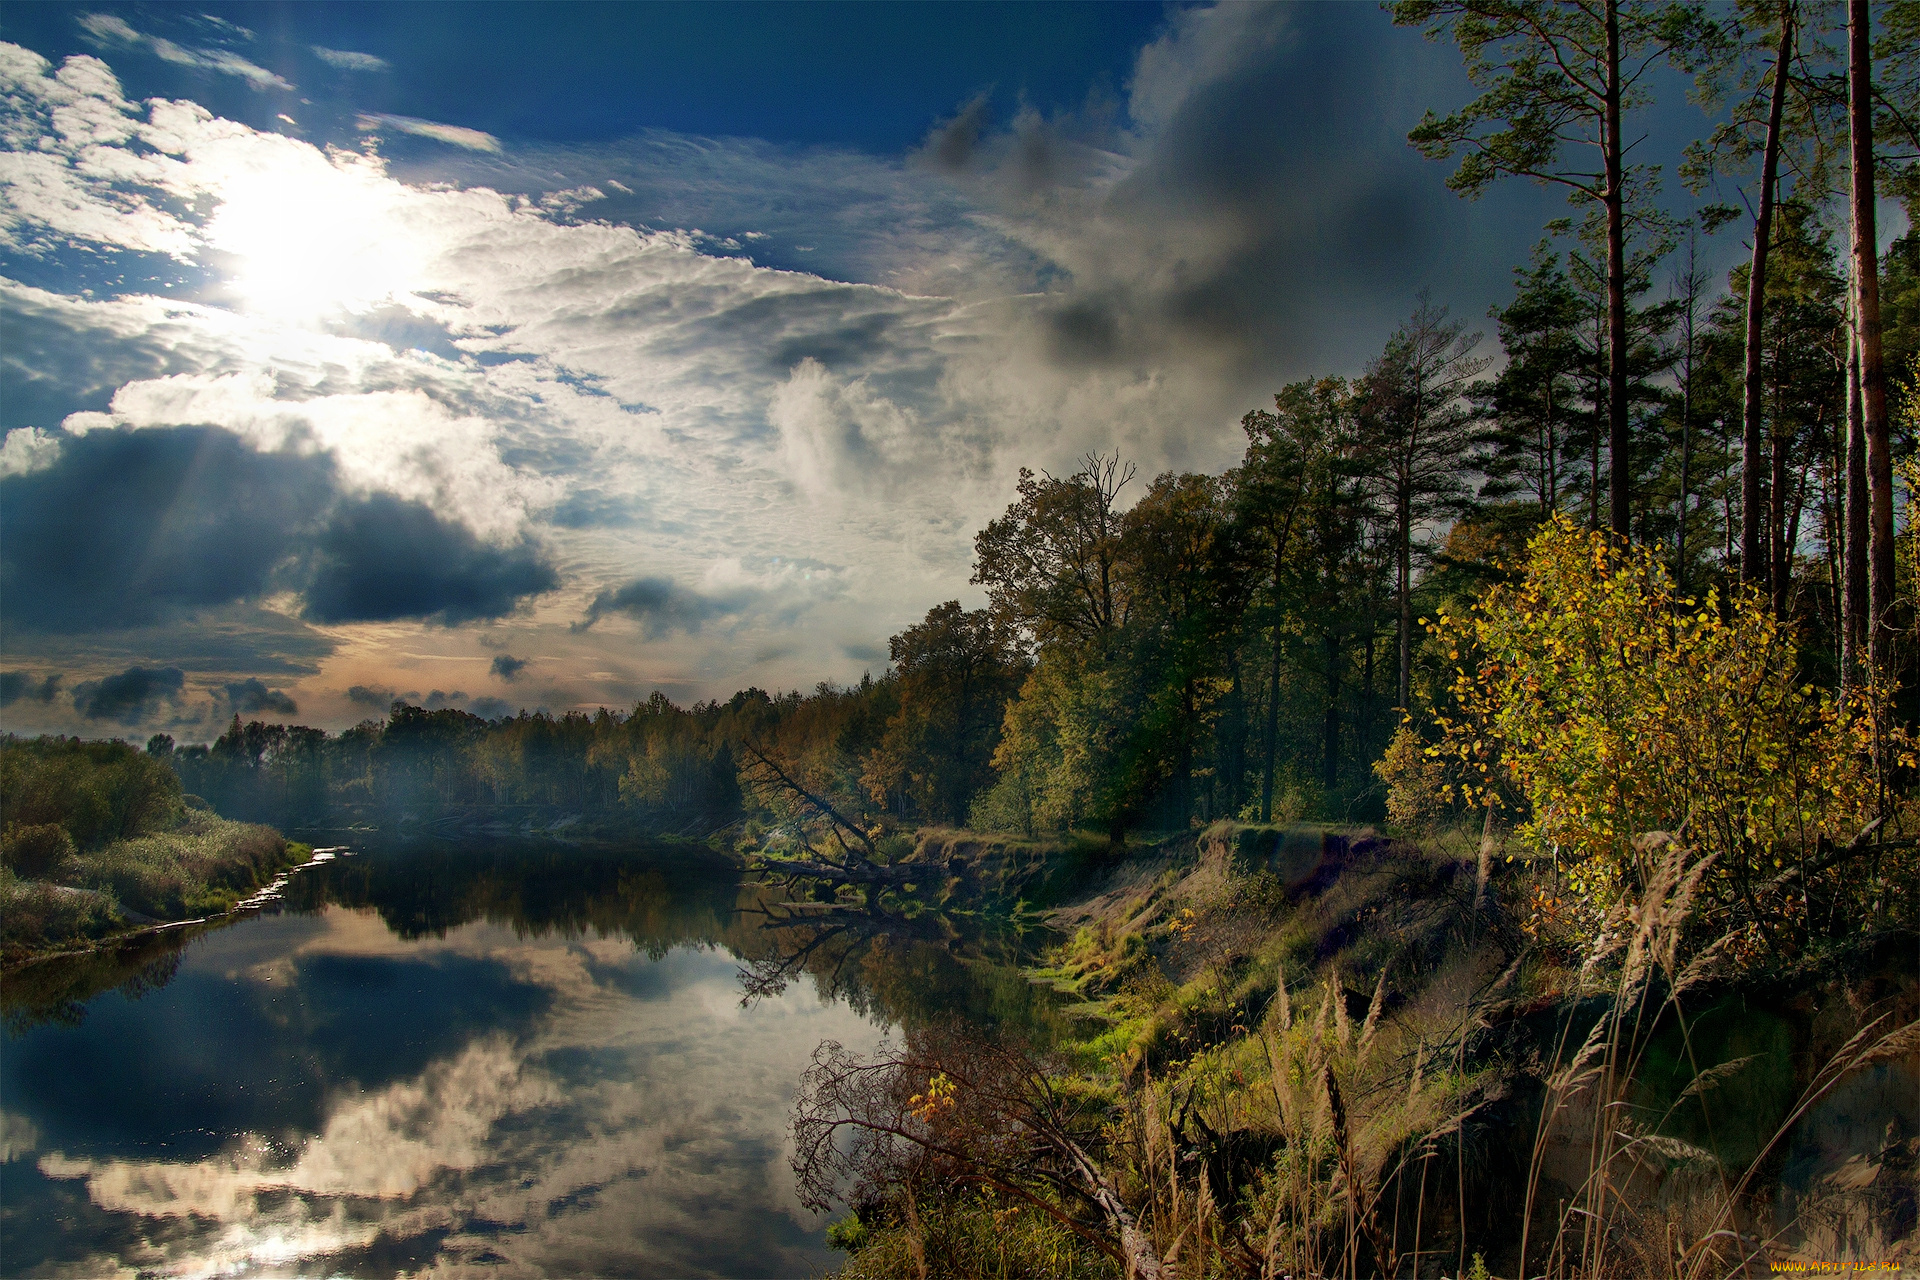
516,1062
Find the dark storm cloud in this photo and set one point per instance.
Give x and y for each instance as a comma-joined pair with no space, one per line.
487,708
382,558
1317,179
251,695
134,695
659,605
508,667
18,685
237,637
379,697
1083,332
1270,214
1297,156
855,343
128,526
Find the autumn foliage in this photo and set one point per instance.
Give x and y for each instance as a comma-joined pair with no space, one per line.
1590,704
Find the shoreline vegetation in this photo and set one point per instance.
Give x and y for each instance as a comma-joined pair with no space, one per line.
1479,825
1319,1050
98,843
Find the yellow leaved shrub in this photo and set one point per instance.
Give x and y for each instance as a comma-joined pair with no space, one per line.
1592,705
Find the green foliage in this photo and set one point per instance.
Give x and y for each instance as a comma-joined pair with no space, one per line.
96,830
1416,779
848,1234
202,867
94,791
954,673
1542,69
1066,738
38,916
32,851
970,1234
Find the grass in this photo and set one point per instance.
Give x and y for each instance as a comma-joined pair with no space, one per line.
1401,1066
969,1233
201,867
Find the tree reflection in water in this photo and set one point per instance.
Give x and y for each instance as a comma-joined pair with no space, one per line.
902,961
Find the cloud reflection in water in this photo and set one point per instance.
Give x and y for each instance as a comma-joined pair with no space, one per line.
637,1127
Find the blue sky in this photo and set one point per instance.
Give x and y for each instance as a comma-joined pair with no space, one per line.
348,350
860,75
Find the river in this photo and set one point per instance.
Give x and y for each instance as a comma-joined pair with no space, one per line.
518,1061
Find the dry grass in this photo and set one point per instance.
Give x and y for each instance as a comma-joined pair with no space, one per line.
1396,1067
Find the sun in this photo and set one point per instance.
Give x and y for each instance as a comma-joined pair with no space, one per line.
312,235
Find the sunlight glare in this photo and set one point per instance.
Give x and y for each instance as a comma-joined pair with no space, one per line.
314,237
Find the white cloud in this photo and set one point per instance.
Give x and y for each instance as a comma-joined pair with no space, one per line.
723,407
64,173
347,60
107,29
838,434
28,449
451,134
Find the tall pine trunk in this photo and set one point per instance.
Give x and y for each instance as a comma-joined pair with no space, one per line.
1619,447
1686,434
1755,563
1853,631
1873,380
1781,508
1270,742
1404,553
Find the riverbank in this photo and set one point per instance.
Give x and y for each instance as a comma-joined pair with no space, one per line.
72,899
1323,1051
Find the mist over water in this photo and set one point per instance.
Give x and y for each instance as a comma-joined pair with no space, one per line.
523,1061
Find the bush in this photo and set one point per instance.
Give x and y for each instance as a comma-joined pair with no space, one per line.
1601,706
1416,781
961,1234
202,867
32,851
1006,806
97,791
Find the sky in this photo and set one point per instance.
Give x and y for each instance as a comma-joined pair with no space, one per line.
501,357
